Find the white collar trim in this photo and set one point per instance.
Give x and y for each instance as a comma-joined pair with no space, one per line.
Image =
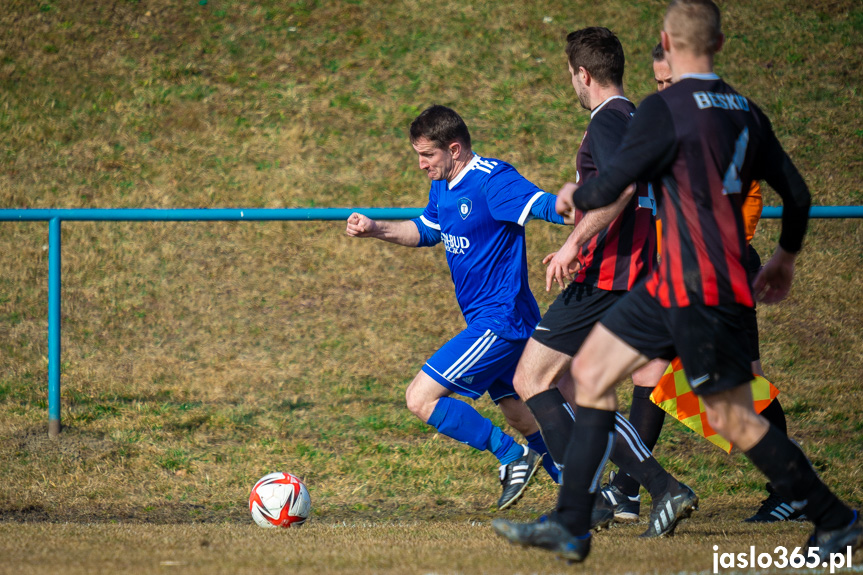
470,165
606,101
708,76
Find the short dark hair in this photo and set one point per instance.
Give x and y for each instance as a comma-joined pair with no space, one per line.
598,51
442,126
658,53
695,26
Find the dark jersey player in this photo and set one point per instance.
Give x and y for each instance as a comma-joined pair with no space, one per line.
705,143
647,417
604,260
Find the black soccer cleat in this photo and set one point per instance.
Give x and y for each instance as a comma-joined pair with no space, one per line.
626,509
676,504
774,509
828,543
546,534
602,515
515,476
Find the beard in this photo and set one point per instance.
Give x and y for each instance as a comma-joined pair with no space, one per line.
583,96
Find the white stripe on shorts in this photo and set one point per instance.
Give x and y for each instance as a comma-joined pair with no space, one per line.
477,356
471,356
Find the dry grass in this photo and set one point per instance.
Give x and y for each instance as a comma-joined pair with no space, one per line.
382,547
199,356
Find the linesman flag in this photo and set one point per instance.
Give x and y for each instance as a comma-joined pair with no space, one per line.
674,395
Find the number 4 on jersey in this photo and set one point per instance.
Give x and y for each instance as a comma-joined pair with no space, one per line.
731,182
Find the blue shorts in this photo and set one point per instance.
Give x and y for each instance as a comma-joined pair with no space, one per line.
476,361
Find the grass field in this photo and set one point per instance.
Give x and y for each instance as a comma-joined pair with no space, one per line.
198,357
387,547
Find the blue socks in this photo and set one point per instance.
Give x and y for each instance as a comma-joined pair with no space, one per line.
460,421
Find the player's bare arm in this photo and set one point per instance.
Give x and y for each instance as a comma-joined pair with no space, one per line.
564,263
773,282
563,203
402,233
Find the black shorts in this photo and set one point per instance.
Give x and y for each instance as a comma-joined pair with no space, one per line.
571,316
707,338
750,325
750,319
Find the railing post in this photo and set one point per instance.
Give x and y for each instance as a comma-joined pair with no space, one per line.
54,286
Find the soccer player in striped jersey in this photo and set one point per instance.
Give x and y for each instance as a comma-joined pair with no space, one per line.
706,144
647,417
603,262
478,208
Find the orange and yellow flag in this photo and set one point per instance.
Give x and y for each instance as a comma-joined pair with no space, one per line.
674,395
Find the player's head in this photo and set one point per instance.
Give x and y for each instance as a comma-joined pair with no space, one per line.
661,69
594,55
440,137
693,27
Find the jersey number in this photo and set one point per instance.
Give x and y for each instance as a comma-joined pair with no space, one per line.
731,182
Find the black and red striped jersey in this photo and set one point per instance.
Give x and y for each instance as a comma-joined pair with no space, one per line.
625,251
705,144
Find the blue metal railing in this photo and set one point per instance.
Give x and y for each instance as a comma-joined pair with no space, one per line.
824,212
54,217
205,215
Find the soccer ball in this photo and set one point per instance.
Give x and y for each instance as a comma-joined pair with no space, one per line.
280,500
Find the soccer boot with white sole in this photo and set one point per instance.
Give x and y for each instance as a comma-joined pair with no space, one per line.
828,543
774,509
515,476
626,509
676,504
546,534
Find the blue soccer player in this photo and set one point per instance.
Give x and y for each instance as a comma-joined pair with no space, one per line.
478,208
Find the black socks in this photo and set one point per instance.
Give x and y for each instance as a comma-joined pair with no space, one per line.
589,448
554,416
647,419
791,475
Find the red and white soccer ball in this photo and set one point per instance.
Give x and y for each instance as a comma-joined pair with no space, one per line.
280,500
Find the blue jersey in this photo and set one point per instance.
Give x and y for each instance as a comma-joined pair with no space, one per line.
480,218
